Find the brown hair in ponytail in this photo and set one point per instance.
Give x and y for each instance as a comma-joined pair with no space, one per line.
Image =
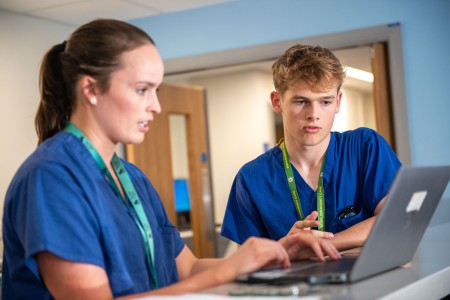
94,49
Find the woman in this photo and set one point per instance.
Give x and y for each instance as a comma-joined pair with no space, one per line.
81,223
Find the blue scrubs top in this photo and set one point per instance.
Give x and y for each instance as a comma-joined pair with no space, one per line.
59,201
359,169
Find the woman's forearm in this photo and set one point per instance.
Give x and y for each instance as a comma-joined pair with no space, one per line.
208,273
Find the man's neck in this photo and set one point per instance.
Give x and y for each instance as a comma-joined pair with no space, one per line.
308,160
305,156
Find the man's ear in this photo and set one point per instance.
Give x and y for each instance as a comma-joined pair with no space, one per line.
338,101
275,99
89,89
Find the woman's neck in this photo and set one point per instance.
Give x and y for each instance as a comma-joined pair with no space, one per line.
98,139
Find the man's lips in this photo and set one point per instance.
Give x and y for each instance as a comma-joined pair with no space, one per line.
311,129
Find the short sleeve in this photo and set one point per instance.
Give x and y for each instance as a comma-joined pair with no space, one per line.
380,168
51,214
241,218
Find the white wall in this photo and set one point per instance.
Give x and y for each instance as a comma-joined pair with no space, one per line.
234,102
239,111
240,121
179,149
357,110
24,41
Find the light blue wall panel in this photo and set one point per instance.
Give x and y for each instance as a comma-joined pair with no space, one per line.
426,43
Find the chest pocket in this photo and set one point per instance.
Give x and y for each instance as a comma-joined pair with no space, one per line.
339,225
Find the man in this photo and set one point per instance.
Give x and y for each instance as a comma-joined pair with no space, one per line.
330,182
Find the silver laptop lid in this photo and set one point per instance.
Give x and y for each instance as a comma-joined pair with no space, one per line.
409,207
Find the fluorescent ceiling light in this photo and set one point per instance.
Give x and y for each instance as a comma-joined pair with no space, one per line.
359,74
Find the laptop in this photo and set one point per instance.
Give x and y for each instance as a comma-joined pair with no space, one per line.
395,236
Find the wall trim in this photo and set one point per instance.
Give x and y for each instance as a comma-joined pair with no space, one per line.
390,33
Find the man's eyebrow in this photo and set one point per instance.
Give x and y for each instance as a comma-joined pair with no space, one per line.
328,97
299,97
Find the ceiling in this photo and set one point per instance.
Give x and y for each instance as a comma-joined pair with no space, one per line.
77,12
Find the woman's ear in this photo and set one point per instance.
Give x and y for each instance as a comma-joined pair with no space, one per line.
89,90
276,101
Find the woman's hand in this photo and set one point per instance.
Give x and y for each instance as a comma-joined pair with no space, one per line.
252,255
307,244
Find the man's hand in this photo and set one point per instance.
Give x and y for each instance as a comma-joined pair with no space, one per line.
307,244
306,225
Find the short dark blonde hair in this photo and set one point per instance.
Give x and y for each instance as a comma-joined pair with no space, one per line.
311,67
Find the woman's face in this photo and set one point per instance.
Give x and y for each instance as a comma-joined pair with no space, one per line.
125,110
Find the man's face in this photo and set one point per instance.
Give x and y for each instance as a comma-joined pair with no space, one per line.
307,116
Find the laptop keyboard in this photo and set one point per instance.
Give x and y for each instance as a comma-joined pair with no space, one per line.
330,266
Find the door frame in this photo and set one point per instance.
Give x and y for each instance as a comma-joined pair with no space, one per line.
389,33
153,157
382,93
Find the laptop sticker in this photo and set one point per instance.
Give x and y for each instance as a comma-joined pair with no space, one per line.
415,203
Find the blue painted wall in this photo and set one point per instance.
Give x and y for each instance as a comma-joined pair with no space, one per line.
426,45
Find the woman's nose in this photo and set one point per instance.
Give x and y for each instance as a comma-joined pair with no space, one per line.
154,105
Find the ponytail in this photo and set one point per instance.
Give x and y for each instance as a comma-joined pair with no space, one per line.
55,106
94,49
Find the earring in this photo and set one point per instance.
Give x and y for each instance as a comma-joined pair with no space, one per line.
93,101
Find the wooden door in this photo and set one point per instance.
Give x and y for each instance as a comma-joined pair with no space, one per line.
153,157
382,93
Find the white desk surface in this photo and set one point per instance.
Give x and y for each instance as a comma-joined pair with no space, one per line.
427,277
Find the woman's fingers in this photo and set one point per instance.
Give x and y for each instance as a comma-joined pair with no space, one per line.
256,253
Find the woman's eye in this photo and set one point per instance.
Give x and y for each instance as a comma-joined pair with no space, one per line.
141,91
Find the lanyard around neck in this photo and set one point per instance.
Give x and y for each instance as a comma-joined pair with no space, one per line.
130,192
293,189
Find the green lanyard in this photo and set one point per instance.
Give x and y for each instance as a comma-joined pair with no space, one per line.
293,188
134,201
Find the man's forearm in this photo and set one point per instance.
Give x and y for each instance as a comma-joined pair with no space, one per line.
354,236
